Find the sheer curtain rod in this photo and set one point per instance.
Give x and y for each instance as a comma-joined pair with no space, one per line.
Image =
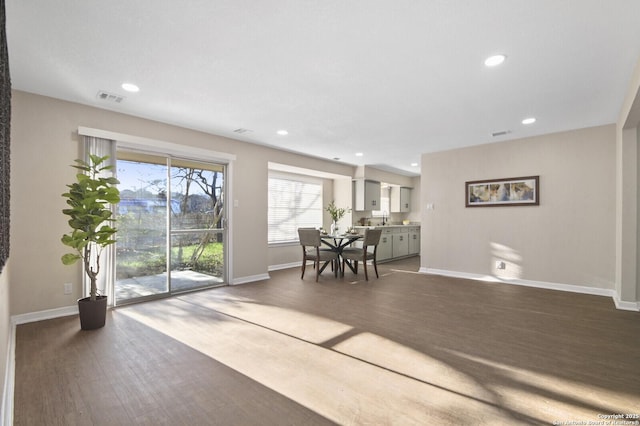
146,144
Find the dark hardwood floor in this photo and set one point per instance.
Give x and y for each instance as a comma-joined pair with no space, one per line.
407,348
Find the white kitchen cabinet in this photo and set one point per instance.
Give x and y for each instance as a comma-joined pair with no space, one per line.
367,195
385,246
400,199
400,244
395,241
414,240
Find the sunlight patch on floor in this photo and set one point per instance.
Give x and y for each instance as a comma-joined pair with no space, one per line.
559,396
404,360
310,328
338,386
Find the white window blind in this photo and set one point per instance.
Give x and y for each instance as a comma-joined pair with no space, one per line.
293,203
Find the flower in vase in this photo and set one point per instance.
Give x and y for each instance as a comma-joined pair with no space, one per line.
336,213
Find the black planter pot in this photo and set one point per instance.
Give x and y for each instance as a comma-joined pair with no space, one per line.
93,314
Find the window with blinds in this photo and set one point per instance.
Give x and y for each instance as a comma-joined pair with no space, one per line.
294,202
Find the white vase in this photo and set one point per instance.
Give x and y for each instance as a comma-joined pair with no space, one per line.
334,227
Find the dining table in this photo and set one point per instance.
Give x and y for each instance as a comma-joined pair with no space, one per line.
337,243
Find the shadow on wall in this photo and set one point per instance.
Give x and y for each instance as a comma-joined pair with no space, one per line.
506,262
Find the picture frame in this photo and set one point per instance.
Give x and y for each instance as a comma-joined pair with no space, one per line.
517,191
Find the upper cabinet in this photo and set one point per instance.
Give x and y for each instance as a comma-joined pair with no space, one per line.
400,199
367,195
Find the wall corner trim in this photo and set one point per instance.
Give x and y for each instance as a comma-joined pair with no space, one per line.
626,306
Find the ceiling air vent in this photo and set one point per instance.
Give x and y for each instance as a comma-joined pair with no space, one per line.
109,97
240,131
500,133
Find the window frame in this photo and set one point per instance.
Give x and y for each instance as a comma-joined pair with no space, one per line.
299,179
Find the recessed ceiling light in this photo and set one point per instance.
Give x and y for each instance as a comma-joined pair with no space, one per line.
494,60
414,164
359,154
282,132
529,120
130,87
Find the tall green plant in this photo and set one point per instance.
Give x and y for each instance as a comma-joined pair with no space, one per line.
89,216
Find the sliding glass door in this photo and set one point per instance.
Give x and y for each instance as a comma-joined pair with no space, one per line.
171,231
141,248
197,225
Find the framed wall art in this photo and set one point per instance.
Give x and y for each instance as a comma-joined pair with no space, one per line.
519,191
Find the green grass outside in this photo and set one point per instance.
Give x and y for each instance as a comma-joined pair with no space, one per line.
151,262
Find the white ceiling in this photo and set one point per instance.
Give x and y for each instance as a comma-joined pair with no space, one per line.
390,79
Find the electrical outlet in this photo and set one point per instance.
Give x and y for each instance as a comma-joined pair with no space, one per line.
68,288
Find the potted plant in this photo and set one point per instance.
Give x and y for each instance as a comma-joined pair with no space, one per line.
90,219
336,213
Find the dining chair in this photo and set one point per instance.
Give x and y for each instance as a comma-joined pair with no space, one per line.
310,241
321,249
371,239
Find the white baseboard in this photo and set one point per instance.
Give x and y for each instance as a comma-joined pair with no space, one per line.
629,306
626,306
44,315
284,266
250,279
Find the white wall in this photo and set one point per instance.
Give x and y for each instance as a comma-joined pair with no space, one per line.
627,197
343,197
415,215
568,239
44,144
371,173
